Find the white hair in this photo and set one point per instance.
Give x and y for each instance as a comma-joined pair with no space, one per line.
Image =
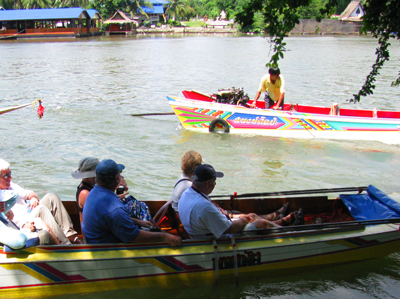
4,165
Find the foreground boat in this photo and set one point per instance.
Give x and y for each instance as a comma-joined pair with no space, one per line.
202,112
52,270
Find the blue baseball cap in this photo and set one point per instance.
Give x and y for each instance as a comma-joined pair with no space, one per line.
206,172
108,168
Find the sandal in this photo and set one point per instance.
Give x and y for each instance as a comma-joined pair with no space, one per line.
288,220
285,209
282,212
299,217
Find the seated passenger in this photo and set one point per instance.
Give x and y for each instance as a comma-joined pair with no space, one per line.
28,209
87,172
189,161
106,219
201,217
10,234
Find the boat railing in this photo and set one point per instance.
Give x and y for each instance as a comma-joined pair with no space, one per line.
330,226
294,192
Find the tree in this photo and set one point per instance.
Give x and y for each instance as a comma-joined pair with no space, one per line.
281,16
71,3
108,7
11,4
36,3
176,8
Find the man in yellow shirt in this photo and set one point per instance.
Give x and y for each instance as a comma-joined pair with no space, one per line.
273,84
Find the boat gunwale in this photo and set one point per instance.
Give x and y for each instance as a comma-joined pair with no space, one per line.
281,113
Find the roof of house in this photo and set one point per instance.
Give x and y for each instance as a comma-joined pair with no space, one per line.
351,13
157,9
43,14
158,2
120,17
93,14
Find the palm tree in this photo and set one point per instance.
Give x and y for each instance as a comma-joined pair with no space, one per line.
71,3
133,6
36,3
176,8
11,4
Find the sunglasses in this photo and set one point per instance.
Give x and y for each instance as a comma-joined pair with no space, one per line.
6,176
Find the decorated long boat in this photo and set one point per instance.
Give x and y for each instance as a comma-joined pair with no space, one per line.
207,113
341,225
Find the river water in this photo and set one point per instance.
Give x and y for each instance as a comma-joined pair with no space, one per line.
91,86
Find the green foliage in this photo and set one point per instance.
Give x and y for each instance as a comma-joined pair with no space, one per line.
281,16
36,3
312,11
174,23
176,9
381,19
341,6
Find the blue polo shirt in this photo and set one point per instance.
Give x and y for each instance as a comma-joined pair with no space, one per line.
105,218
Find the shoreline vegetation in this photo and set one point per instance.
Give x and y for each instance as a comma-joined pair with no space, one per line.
305,27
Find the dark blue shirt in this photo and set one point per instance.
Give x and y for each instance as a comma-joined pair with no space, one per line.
105,218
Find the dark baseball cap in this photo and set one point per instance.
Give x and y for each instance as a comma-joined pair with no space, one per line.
109,168
206,172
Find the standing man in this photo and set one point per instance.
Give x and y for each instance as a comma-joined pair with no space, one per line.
106,219
273,84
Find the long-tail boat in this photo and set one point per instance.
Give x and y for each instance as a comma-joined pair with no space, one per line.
207,113
342,225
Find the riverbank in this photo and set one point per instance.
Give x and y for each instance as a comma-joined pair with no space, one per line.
186,30
305,27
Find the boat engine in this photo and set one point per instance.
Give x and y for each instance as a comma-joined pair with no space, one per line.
232,96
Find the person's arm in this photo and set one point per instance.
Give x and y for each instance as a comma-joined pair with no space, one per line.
82,197
255,99
10,215
144,223
278,104
148,237
238,225
34,198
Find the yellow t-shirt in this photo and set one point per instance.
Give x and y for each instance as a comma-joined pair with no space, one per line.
274,90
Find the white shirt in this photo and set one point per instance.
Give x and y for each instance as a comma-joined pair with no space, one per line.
20,208
181,185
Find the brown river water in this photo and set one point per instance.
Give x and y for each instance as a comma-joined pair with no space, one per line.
91,86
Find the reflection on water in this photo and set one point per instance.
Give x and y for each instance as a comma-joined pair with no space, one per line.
91,86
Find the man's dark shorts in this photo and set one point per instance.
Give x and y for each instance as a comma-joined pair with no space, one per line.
269,102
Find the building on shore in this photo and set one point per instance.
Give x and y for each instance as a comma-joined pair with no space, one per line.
49,22
155,14
121,23
353,12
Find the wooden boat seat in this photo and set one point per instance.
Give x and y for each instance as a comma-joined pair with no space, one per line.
168,220
76,217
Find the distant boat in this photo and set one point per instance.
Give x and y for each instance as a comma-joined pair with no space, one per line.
206,113
6,37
